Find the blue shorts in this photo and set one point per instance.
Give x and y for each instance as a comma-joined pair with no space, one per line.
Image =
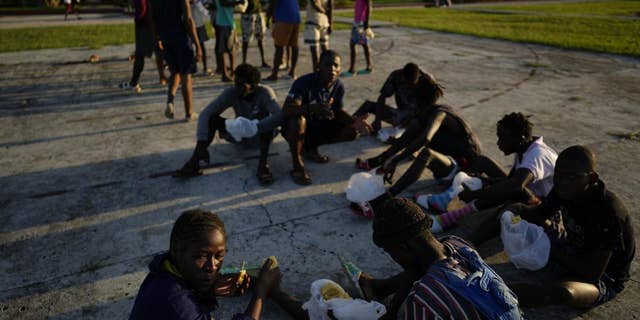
178,52
359,34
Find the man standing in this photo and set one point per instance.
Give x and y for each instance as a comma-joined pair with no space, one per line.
286,26
176,31
318,27
254,23
145,46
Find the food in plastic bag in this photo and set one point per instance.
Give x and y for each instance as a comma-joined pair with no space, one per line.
241,127
342,308
387,132
526,244
365,186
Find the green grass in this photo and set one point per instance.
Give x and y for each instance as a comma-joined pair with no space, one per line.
605,8
603,34
92,36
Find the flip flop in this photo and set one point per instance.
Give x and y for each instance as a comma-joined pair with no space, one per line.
301,177
265,177
364,71
347,74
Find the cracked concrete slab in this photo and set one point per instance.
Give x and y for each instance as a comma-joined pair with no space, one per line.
87,198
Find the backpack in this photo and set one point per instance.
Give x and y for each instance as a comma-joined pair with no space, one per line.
484,288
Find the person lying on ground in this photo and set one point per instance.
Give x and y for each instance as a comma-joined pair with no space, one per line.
530,179
445,141
591,233
183,284
313,115
401,84
249,99
442,278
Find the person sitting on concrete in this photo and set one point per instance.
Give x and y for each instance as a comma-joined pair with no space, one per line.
183,284
401,84
314,116
249,99
592,237
530,179
447,143
442,278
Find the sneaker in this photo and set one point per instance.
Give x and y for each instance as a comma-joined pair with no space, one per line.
168,112
192,117
127,86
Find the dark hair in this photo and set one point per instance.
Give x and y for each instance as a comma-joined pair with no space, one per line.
411,71
517,124
580,154
248,72
428,90
398,220
194,224
328,54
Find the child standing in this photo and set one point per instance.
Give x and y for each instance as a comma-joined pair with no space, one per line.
359,35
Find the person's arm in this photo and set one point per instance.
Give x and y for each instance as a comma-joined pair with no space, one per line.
506,189
274,118
289,303
330,15
369,7
388,89
268,279
191,28
316,5
432,126
536,214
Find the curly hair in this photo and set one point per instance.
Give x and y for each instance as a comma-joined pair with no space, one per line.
516,123
328,54
411,71
248,72
194,224
399,220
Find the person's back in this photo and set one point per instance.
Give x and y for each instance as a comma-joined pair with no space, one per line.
461,286
168,18
455,128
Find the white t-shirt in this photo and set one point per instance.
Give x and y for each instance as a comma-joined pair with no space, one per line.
540,159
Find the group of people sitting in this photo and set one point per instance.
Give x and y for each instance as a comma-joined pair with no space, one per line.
590,231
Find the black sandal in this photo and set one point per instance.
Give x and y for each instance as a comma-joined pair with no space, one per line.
301,177
265,177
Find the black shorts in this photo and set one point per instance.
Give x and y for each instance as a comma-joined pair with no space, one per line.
145,42
225,39
178,52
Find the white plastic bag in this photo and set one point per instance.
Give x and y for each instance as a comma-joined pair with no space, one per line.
387,132
241,127
526,244
342,308
365,186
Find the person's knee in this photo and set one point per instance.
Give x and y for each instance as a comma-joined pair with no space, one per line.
296,127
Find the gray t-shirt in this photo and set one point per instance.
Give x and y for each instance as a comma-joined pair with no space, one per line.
262,106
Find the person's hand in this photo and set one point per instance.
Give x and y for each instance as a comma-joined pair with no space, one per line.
160,46
199,54
466,195
362,126
389,168
322,110
268,279
227,285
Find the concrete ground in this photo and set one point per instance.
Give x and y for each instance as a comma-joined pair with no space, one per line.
87,198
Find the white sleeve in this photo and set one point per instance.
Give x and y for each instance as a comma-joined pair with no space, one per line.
540,162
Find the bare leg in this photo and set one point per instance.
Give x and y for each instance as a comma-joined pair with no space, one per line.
160,65
314,57
261,48
352,50
295,137
245,48
571,293
367,56
294,61
187,93
438,163
483,164
277,60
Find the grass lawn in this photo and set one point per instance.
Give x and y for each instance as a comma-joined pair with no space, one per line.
603,34
605,8
92,36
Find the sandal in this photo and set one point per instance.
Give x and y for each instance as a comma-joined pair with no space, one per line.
265,177
301,177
